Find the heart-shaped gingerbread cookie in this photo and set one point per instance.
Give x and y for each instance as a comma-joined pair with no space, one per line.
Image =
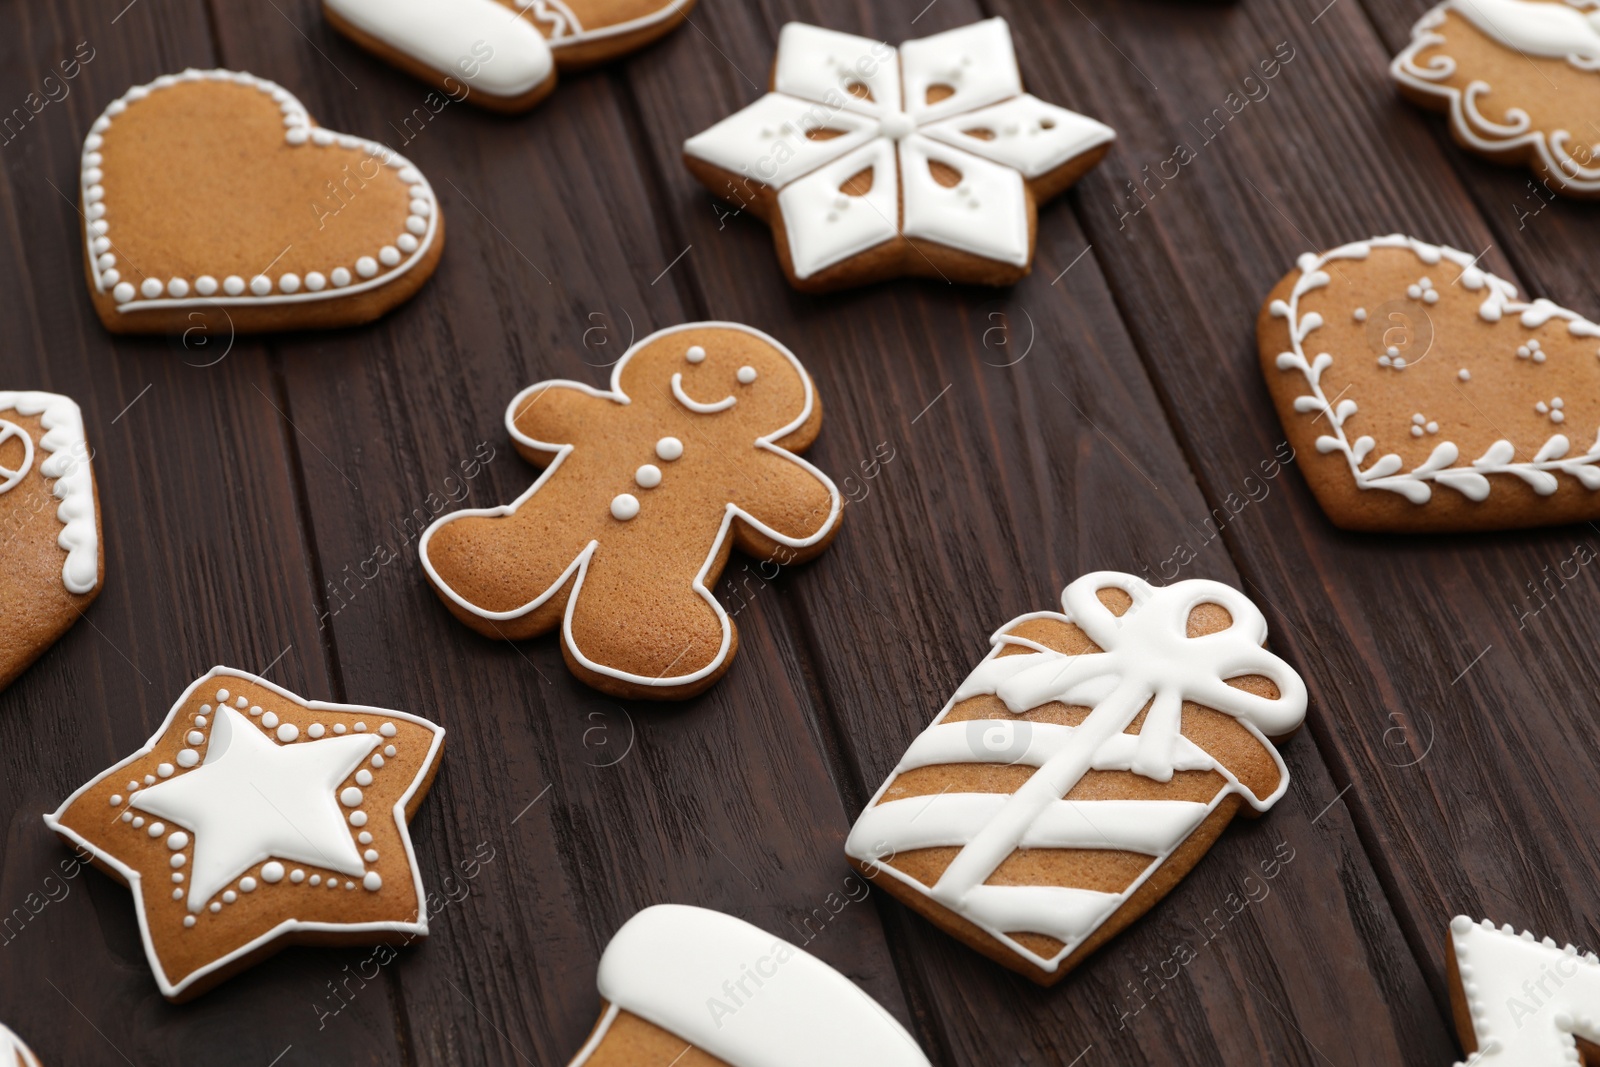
211,197
1420,394
500,54
53,563
1520,80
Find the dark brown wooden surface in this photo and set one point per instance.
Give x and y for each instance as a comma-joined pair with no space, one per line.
1091,417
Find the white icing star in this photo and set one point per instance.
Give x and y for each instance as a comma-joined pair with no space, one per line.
253,799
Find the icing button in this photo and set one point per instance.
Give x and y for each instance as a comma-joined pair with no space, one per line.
624,506
669,448
747,375
696,354
648,476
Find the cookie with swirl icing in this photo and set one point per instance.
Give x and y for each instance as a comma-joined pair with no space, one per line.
1083,768
1520,80
499,54
52,562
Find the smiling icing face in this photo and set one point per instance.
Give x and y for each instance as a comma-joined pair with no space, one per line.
717,374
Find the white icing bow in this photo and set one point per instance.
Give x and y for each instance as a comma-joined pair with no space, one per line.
843,105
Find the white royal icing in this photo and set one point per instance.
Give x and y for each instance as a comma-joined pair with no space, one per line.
1147,657
13,1052
415,233
1441,467
250,799
1527,997
895,138
744,996
442,33
68,464
1569,31
667,449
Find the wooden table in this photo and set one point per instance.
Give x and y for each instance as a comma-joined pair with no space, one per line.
1092,417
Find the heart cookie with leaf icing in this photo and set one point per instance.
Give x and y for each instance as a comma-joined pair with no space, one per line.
211,199
1520,80
1420,394
51,562
504,56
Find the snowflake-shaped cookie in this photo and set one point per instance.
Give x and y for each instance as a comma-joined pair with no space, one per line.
871,162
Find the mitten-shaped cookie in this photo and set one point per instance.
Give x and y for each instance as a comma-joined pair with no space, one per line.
647,487
1083,768
1519,1001
698,988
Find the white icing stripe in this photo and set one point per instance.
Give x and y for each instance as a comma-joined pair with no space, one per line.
1146,659
1030,134
68,464
414,234
1526,997
13,1053
697,406
767,141
1554,30
1153,827
448,36
1029,744
743,995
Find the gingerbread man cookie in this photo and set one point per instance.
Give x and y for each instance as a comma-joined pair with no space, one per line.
255,819
870,162
13,1053
1522,1002
1083,768
53,559
1520,80
496,53
302,228
1420,394
736,996
646,488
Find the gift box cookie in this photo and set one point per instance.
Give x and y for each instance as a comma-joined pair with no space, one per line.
255,819
693,451
49,524
500,55
303,227
697,987
1421,394
871,162
1519,79
1083,768
1522,1001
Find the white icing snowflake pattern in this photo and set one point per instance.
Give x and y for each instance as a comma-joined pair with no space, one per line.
942,109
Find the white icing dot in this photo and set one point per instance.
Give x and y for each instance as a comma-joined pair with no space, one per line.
188,921
417,224
288,732
127,816
272,873
270,721
255,712
138,820
247,884
178,287
215,907
366,266
389,256
1464,374
340,277
177,839
320,136
316,281
669,448
233,285
377,760
177,894
407,242
229,897
156,829
388,750
178,860
123,292
149,779
289,283
177,876
111,277
364,837
696,354
132,786
316,879
188,757
316,730
296,876
746,375
166,770
361,727
338,727
116,800
351,797
388,729
261,285
358,818
624,506
297,135
372,881
349,885
363,777
648,476
1431,296
107,261
419,206
196,737
370,855
200,720
205,285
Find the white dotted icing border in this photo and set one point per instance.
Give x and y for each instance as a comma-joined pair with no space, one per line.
367,272
1500,298
68,464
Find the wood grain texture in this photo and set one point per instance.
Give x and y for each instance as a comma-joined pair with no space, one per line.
1104,413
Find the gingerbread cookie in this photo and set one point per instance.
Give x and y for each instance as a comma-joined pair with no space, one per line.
49,524
1083,768
255,819
1421,395
872,163
1520,80
646,488
13,1053
303,227
1522,1002
501,55
736,996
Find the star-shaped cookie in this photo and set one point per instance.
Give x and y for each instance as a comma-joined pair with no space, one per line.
254,819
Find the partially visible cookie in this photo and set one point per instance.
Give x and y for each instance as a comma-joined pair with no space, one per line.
13,1053
1520,80
53,557
1522,1002
255,819
212,200
501,55
1420,394
870,162
697,988
693,451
